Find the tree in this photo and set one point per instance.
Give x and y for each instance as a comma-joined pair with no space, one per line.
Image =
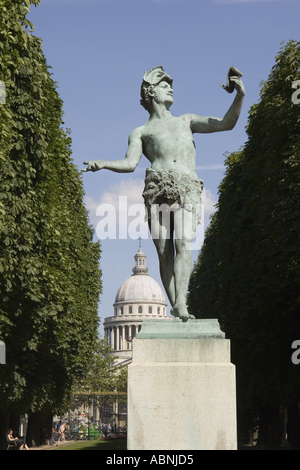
49,265
248,272
105,381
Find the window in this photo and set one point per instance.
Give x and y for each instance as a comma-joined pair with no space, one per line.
150,310
158,310
121,310
130,309
140,309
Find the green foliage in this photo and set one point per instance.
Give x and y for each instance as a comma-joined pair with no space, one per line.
104,379
49,265
99,444
248,272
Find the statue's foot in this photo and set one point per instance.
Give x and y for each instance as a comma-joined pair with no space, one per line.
180,311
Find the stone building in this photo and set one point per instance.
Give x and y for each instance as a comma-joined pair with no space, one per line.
139,297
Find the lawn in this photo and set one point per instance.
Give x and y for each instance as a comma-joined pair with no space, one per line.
105,444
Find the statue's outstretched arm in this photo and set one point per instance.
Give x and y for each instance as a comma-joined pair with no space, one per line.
128,164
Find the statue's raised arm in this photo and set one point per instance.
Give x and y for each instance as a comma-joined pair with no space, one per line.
202,124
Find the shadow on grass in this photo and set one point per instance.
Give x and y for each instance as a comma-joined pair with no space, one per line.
105,444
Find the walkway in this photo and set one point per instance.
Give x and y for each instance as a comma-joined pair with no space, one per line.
53,447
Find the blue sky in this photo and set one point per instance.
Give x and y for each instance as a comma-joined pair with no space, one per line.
99,51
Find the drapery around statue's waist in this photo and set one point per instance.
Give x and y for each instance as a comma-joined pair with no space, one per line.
170,187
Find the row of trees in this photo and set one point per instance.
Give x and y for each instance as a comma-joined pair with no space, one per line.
50,278
248,271
104,382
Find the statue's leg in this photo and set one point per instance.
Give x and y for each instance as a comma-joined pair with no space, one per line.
163,240
185,227
165,250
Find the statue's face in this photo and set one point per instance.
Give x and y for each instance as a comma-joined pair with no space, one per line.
163,93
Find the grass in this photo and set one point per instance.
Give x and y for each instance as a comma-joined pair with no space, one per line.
105,444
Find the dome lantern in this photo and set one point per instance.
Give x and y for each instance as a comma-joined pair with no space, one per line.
140,262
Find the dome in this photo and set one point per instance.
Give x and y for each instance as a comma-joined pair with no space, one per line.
140,288
140,297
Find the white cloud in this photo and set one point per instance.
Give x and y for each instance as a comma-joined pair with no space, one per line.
211,167
131,188
209,201
129,192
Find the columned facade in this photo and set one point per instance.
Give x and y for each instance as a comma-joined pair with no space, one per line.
119,335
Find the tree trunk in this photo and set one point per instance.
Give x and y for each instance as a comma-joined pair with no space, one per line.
268,435
247,424
46,427
4,426
33,430
15,423
293,427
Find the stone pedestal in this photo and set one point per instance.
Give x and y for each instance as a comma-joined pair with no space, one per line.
181,388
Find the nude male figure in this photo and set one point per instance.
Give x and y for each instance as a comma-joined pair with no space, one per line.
167,142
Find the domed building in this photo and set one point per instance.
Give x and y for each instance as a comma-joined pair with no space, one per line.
138,298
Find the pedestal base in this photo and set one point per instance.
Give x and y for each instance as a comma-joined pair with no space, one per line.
181,391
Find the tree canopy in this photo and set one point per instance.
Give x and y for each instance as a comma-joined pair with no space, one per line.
50,279
248,271
104,378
